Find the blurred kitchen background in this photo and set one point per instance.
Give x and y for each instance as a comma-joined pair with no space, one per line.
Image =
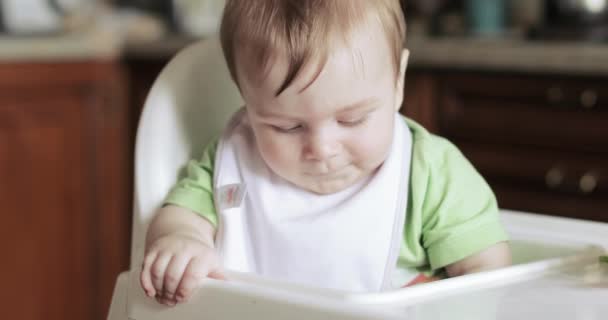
520,86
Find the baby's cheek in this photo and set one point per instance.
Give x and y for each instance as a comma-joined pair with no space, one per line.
278,154
373,147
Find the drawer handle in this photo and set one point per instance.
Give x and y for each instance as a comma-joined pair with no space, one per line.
589,98
555,95
588,182
554,177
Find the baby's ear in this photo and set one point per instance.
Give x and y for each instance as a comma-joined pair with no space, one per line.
405,55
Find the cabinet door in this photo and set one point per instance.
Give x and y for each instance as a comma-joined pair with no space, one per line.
46,213
539,140
564,113
569,184
64,190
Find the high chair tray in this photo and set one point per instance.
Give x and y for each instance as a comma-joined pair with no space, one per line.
557,274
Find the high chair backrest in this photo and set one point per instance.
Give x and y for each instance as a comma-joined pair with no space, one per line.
188,104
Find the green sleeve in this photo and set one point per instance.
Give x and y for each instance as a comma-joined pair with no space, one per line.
453,212
195,191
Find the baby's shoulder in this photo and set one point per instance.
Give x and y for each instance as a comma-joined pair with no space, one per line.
429,149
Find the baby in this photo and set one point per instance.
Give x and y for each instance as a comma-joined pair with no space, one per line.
318,180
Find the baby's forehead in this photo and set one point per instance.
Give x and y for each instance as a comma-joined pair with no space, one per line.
343,80
362,53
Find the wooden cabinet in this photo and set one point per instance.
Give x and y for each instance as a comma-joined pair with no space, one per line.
541,141
142,74
65,158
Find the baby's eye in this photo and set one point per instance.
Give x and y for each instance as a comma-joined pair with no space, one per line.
288,129
353,122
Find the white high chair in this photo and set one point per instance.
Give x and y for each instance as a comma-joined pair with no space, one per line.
191,101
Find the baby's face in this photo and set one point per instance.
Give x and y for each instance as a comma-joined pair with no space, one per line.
327,135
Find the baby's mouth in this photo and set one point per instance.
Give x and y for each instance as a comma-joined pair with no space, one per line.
327,174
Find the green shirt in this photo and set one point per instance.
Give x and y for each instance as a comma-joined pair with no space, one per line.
451,213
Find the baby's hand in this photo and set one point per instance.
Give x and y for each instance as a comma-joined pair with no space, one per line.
174,266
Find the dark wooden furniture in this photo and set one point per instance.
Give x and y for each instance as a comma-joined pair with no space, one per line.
65,158
142,72
541,141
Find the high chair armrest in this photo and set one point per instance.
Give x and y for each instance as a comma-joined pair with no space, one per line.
118,307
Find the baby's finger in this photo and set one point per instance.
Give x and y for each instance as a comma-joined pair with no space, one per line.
173,275
217,274
195,272
165,301
158,271
145,278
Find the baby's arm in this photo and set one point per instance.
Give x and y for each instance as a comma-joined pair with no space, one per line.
179,255
494,257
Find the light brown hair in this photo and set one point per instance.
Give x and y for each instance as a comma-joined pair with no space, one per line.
301,29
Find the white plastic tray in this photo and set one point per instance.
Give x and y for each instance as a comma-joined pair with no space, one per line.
556,276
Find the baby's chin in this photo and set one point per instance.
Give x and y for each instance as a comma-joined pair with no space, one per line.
323,186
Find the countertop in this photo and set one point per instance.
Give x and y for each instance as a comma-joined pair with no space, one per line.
509,54
86,45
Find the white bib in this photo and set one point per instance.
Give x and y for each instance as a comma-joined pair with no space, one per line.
349,240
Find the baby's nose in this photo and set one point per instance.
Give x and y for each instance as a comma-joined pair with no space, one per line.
321,147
